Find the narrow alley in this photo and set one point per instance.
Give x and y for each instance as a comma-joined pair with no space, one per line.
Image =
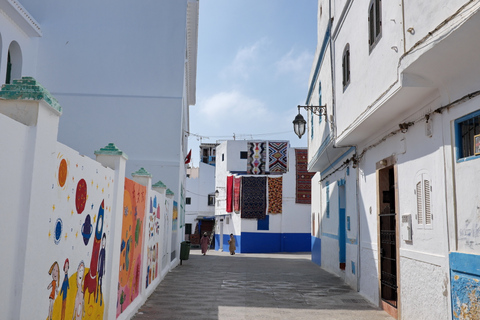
254,286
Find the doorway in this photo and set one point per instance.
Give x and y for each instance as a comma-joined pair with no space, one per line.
387,222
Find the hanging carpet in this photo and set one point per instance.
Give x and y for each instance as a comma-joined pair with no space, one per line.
229,194
236,193
275,186
303,177
254,197
277,157
256,158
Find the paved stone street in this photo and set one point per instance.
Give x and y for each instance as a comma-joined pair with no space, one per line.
254,286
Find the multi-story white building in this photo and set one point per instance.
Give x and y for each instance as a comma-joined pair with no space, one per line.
394,198
123,73
200,195
260,197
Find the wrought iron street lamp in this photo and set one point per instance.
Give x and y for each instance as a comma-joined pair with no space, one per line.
299,123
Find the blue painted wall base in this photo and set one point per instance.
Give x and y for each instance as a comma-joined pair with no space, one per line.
256,242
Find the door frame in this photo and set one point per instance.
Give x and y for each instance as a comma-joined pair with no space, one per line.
390,162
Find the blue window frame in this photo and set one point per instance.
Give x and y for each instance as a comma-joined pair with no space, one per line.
466,128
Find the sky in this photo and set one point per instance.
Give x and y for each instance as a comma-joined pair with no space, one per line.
253,66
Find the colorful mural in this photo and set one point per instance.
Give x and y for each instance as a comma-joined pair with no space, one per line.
82,200
135,196
153,239
465,285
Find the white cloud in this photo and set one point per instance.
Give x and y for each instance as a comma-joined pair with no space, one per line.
244,61
296,64
231,105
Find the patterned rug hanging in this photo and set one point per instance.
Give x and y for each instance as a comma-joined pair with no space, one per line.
236,193
256,158
277,157
254,197
275,188
303,192
229,194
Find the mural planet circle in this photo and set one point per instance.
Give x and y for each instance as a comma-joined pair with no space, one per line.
62,173
58,230
81,196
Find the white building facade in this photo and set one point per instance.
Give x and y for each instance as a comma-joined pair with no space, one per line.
200,195
394,206
123,73
284,229
112,68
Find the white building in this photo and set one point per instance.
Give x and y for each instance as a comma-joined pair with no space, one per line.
124,73
279,223
394,204
200,198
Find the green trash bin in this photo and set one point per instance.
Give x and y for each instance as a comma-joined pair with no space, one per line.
184,251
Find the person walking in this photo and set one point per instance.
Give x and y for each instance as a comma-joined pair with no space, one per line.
204,242
231,244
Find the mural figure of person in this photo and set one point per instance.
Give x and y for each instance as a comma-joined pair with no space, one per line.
65,287
79,309
231,244
54,272
204,242
101,269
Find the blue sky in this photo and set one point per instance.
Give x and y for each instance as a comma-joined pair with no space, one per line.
254,60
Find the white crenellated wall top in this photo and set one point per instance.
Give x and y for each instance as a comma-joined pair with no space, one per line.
15,11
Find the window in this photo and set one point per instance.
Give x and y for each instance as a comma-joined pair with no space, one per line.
466,129
188,200
211,199
14,63
374,23
423,190
223,156
263,224
243,155
346,67
188,228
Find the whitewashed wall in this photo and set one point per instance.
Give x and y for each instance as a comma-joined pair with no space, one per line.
62,206
17,166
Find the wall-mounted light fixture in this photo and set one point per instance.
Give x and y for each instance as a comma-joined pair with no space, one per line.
216,193
299,123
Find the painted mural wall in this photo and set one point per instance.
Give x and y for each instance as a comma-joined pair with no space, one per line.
130,276
77,238
75,227
154,229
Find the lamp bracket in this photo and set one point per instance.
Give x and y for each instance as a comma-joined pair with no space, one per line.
317,110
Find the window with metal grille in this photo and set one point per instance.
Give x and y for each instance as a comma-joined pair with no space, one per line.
188,200
243,155
346,66
466,128
423,191
374,23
